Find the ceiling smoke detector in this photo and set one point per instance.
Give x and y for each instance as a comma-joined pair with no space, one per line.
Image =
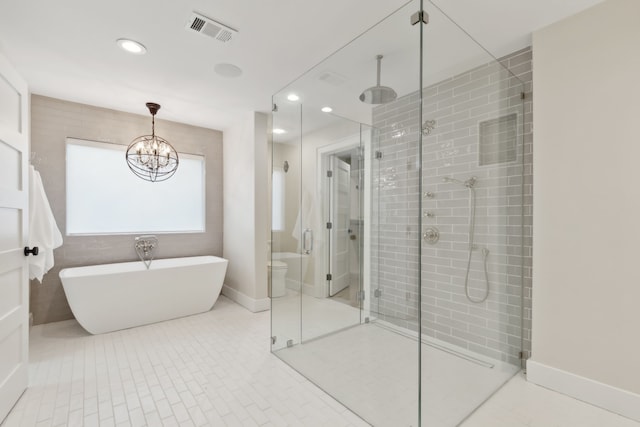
208,27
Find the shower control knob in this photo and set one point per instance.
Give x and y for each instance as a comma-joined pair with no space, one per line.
429,195
431,235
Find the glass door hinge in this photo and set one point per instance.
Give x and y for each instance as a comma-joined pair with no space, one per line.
420,16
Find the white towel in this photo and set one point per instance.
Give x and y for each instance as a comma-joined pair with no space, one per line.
43,230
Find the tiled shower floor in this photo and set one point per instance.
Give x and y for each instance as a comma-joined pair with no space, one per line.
215,369
374,371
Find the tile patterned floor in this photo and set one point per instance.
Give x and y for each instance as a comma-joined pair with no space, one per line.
215,369
209,369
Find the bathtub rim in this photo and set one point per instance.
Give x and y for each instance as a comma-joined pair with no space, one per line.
137,266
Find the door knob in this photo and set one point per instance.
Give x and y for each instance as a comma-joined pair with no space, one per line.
34,251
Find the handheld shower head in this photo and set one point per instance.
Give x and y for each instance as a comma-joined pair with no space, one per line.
449,179
470,183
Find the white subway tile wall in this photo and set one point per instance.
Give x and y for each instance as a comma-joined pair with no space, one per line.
503,215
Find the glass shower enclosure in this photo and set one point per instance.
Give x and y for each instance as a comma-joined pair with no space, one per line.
397,217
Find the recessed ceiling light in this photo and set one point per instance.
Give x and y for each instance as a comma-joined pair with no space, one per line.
227,70
132,46
278,131
293,97
327,109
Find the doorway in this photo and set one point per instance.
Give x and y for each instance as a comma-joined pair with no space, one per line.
343,201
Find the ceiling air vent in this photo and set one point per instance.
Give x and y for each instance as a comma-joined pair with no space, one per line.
332,78
208,27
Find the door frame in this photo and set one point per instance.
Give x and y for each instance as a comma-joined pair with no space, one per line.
330,215
363,139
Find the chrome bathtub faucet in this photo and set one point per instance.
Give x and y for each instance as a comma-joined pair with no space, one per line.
145,246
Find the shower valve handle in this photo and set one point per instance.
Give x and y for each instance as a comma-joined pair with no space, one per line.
431,235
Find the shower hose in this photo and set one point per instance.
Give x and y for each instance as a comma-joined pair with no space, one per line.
485,251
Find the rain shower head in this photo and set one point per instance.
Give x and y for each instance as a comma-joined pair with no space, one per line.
378,94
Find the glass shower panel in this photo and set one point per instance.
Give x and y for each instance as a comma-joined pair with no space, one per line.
287,258
359,203
331,151
472,121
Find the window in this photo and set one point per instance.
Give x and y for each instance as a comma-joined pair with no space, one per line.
105,197
277,200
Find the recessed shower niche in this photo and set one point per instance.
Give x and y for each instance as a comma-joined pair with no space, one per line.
402,330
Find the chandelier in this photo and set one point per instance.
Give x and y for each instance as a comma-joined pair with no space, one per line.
151,157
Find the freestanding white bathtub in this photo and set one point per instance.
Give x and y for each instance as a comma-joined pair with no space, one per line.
109,297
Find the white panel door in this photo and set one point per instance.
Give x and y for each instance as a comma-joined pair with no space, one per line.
14,223
339,232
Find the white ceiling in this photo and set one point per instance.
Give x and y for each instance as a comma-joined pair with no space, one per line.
66,48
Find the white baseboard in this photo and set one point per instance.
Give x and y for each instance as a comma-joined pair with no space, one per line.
251,304
611,398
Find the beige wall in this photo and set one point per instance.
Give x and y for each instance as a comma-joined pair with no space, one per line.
245,211
262,216
52,121
586,282
283,241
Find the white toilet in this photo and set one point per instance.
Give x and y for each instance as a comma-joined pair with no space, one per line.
277,273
